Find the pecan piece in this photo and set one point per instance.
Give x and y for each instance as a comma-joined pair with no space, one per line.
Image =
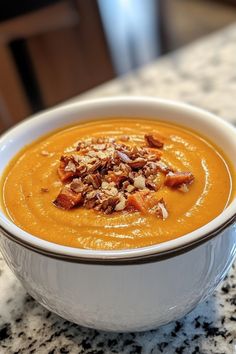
67,199
122,204
70,167
126,169
81,145
97,180
162,167
138,163
64,175
176,179
153,154
109,204
151,185
90,204
160,209
129,188
125,184
123,157
120,179
153,141
81,170
95,167
93,179
183,188
139,182
77,185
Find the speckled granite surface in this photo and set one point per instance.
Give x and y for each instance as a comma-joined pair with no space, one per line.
203,74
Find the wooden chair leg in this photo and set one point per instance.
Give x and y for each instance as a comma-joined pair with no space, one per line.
2,126
14,105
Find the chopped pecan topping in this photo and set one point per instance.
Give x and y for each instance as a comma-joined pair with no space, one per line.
130,188
183,188
122,204
70,167
162,167
90,203
112,202
160,209
77,185
176,179
62,173
108,175
154,154
139,182
154,141
94,179
151,184
124,158
138,163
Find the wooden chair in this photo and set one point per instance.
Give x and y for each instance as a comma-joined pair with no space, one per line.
68,50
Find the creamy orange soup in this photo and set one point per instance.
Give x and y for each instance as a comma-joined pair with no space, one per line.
31,183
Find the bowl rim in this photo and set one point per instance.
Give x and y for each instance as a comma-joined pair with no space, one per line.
145,254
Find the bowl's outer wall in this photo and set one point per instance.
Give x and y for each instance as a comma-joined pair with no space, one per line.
123,297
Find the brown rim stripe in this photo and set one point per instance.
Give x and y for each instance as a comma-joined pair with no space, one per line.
156,257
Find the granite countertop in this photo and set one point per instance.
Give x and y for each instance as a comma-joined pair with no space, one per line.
203,74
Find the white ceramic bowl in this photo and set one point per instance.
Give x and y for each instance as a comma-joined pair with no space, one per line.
127,290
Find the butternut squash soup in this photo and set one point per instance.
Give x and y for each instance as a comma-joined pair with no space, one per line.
116,184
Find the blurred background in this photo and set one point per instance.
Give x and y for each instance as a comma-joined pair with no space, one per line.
53,50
